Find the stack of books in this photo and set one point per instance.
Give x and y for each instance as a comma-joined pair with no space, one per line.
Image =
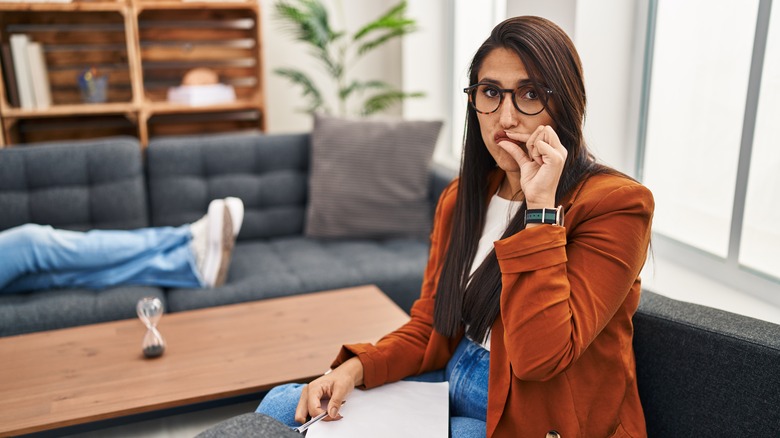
27,78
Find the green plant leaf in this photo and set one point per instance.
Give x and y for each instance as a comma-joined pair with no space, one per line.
310,90
333,67
308,21
389,19
370,45
383,101
392,24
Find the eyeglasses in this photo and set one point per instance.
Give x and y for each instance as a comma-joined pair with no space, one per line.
530,99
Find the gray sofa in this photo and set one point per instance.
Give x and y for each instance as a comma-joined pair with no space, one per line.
110,183
705,372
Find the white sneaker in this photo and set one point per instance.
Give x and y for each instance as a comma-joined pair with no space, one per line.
199,243
236,208
219,244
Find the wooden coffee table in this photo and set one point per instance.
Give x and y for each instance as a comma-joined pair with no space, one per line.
84,374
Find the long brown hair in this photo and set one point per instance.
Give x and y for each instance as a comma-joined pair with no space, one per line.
550,59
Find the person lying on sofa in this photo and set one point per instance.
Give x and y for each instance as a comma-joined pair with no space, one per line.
528,317
36,257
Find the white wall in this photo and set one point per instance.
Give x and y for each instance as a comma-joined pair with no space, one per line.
606,36
283,100
426,59
560,12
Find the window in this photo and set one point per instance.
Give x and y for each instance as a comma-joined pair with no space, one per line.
760,244
707,147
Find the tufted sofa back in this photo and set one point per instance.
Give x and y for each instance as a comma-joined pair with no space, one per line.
268,172
74,185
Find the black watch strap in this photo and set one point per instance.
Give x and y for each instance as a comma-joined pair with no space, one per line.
552,216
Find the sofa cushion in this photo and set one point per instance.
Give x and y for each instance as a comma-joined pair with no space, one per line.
705,372
295,265
268,172
369,178
60,308
74,184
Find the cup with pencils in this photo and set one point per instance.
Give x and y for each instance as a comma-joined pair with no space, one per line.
93,86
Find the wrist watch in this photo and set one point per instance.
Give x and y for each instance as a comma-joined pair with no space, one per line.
552,216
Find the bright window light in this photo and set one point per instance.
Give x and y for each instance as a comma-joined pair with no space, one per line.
701,65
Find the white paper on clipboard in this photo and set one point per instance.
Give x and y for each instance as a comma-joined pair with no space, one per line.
400,409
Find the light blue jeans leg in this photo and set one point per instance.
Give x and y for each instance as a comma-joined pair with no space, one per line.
41,257
467,373
280,403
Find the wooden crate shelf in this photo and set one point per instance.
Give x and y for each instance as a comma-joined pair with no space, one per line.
144,47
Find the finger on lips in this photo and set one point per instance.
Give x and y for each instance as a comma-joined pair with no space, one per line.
517,136
520,139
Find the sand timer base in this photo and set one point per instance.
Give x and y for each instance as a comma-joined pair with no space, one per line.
153,345
150,310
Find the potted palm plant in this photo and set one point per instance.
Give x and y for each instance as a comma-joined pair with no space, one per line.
337,51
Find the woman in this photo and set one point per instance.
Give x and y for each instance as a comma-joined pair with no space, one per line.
530,313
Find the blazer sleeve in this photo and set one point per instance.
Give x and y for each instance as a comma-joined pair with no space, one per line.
405,348
560,292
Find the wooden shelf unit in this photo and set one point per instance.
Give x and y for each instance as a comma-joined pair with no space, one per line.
144,47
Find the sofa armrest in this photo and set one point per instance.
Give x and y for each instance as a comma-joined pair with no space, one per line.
706,372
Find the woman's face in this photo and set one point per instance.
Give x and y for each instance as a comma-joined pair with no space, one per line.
504,68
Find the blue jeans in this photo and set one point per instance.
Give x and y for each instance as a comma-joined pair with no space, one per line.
36,257
466,372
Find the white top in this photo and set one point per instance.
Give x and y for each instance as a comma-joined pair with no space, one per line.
499,214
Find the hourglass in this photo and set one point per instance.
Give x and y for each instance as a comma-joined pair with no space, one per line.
150,310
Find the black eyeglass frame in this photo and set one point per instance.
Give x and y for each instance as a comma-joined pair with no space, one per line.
468,90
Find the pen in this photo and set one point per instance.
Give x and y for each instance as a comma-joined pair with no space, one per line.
303,427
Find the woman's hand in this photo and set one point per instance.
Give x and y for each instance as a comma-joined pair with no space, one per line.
540,167
335,386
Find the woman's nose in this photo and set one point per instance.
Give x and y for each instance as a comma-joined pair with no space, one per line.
508,114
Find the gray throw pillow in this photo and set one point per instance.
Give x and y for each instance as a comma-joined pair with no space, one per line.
369,178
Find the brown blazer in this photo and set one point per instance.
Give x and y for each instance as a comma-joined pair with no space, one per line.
561,356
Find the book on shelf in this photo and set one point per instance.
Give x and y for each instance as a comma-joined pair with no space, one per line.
24,84
11,89
39,75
